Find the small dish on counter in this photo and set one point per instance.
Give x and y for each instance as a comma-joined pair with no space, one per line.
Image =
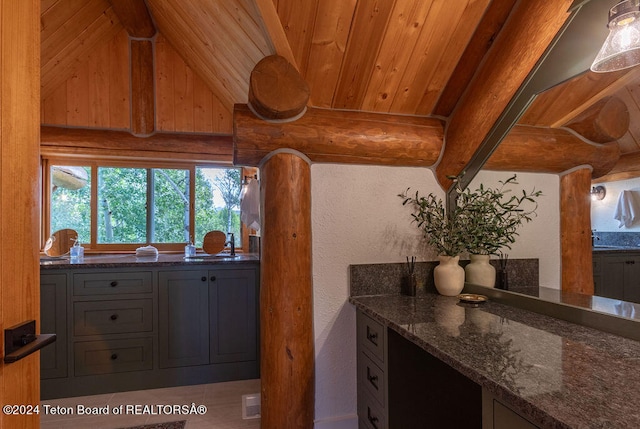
472,298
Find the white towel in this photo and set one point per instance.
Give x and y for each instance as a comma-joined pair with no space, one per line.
250,205
627,210
146,251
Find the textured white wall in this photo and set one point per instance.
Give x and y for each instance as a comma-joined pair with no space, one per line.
539,238
358,219
602,211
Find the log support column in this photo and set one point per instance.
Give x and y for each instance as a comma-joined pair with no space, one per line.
286,304
575,232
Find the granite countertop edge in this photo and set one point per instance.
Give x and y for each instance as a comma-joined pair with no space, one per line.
131,261
536,414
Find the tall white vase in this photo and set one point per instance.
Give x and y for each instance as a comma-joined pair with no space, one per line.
449,276
480,272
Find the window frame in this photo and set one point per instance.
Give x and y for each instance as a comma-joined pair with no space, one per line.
95,163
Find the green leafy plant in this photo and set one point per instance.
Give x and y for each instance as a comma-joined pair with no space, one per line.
483,220
444,233
492,216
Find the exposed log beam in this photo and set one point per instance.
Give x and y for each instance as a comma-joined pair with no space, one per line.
605,121
276,89
340,136
143,112
135,17
488,28
121,144
561,104
273,27
550,150
627,167
575,232
524,38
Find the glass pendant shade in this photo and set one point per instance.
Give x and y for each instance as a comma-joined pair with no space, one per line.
621,50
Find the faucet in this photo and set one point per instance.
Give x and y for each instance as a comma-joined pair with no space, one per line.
231,243
594,237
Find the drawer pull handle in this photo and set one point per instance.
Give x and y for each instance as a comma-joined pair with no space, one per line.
372,419
114,317
113,283
114,356
213,278
372,336
203,278
373,379
631,262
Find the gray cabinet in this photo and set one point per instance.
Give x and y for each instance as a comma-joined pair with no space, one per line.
53,320
207,316
496,415
400,385
620,277
184,318
128,328
233,315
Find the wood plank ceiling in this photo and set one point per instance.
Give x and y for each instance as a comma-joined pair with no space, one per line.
411,57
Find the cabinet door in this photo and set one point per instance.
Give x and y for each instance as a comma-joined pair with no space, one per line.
53,320
183,298
632,279
233,315
612,281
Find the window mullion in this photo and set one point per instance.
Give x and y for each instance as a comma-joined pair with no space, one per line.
151,199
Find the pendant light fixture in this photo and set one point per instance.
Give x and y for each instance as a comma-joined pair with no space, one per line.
621,50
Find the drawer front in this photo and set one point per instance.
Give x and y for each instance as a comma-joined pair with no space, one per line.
116,282
371,378
370,414
104,357
112,317
371,336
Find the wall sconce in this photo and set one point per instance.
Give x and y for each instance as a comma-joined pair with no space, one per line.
598,193
621,49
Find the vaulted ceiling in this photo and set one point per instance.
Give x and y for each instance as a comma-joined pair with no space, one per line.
409,57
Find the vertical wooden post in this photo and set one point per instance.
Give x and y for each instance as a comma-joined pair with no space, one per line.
19,201
143,112
286,304
575,232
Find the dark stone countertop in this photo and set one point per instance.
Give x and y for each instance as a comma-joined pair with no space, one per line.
557,374
127,260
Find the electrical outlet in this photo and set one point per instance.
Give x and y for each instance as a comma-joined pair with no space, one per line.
251,406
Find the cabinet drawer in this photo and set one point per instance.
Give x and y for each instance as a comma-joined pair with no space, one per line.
371,336
102,357
371,378
370,414
106,283
112,317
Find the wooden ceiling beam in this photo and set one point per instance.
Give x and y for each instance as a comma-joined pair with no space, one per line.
275,31
339,136
551,150
562,103
526,35
135,17
627,167
605,121
121,144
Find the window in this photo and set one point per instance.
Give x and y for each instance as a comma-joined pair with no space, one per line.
121,207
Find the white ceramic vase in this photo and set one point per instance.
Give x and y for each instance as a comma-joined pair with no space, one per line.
448,276
480,272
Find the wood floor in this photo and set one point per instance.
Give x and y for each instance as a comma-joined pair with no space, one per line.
223,402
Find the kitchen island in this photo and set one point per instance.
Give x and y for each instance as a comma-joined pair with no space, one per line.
128,323
548,372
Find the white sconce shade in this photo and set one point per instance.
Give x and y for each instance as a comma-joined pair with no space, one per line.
621,50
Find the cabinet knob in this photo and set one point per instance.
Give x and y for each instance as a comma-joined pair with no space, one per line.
372,419
213,278
372,336
114,317
113,283
114,356
373,379
203,278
